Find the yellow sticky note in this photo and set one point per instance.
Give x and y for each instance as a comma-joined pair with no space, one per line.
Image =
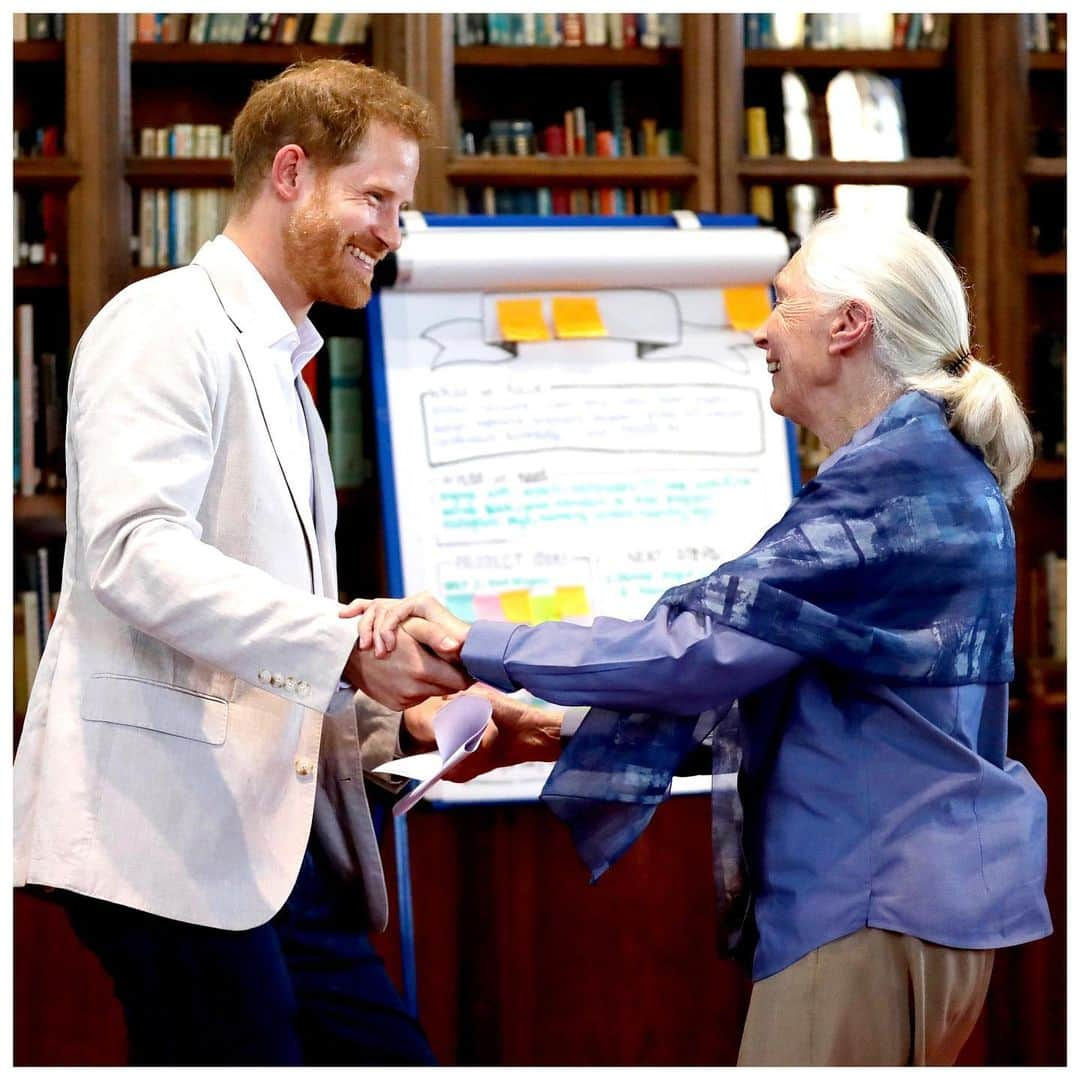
748,306
577,317
515,605
542,608
522,320
570,601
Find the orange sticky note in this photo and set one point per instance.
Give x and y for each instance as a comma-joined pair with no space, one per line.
577,317
570,601
522,320
515,605
748,306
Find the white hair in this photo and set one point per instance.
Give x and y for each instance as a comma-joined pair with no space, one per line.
921,323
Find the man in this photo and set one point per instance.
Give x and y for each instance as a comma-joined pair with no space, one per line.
190,779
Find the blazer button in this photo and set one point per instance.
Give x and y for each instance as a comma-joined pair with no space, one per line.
264,675
290,683
304,767
302,688
277,680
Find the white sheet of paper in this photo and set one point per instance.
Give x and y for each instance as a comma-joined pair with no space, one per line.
458,725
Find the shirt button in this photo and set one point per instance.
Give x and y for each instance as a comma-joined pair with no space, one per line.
304,767
290,683
302,688
277,680
264,675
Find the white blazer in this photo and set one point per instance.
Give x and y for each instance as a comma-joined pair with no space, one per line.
185,721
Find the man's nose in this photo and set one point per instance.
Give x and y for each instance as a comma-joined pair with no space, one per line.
388,230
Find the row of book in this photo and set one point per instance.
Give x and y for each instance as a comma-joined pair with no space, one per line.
1055,580
37,26
576,136
613,30
34,610
201,29
335,377
864,30
38,414
557,201
173,223
1044,32
185,140
45,141
39,228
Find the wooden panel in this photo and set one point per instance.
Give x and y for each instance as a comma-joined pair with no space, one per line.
266,55
730,141
560,56
65,1012
845,59
699,107
508,170
829,171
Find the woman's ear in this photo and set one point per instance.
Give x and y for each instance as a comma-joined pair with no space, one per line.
851,326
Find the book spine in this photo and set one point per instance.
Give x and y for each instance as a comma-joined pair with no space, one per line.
346,411
28,470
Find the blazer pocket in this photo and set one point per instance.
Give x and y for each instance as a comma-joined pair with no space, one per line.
123,699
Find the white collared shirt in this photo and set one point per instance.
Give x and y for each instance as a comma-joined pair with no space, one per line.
292,348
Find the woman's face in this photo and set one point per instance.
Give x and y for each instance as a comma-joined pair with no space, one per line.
795,338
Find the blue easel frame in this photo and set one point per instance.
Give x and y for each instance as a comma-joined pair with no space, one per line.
387,489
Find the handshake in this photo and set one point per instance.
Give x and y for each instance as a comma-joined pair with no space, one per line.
408,657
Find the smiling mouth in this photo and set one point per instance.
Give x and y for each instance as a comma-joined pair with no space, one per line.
362,259
773,366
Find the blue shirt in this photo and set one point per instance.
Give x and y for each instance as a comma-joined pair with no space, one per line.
866,804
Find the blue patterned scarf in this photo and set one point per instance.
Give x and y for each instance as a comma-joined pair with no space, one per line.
896,562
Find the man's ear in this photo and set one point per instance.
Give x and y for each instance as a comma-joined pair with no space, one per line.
288,170
851,326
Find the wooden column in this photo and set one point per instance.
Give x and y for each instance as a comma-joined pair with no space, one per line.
699,106
98,132
730,197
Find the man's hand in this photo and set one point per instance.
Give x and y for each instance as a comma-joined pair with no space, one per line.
408,677
417,729
424,619
516,732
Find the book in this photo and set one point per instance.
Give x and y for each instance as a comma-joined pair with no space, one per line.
346,362
757,145
29,474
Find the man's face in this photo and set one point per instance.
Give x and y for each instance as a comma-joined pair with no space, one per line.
795,338
349,220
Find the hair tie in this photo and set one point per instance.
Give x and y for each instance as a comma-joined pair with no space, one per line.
956,363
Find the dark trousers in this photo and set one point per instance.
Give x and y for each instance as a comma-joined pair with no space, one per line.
304,988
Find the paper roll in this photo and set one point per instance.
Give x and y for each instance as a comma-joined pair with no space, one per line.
462,259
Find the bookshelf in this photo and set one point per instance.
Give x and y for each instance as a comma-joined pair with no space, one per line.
475,85
974,112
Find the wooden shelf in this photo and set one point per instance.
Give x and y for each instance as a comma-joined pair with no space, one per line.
40,515
634,171
1044,168
178,172
1046,61
38,52
877,59
40,277
1047,265
562,56
913,171
1044,469
248,55
45,172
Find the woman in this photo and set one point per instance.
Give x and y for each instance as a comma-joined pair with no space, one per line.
890,844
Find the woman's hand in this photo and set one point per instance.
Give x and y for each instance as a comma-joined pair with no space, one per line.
421,616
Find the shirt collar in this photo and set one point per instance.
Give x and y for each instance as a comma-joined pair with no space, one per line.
251,302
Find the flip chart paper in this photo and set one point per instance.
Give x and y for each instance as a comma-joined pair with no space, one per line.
747,306
458,725
522,320
577,317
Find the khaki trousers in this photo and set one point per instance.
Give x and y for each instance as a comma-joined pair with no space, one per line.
872,998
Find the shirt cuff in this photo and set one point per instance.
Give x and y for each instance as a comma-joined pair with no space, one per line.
483,652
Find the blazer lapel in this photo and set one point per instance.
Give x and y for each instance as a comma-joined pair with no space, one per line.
281,427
